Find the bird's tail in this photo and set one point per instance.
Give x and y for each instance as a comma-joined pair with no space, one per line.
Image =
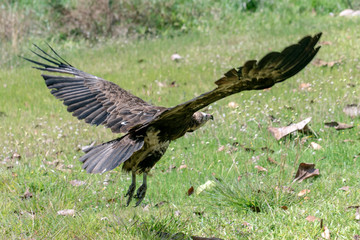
109,155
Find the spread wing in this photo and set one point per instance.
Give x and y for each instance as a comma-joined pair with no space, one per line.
273,68
93,99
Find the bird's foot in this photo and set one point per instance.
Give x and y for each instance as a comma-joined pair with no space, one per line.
130,193
140,194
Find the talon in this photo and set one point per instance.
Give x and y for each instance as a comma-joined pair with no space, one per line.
140,193
131,190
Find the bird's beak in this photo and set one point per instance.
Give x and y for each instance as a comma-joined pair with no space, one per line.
211,117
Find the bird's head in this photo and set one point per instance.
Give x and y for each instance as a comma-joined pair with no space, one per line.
198,119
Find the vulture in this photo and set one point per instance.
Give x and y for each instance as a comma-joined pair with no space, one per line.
147,130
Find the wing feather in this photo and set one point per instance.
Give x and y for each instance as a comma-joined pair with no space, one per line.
93,99
273,68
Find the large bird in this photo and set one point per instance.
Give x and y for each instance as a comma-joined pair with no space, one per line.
147,129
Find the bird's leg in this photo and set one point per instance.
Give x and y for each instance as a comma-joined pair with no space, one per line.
140,194
132,187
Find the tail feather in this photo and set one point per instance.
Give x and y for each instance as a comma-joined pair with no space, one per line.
109,155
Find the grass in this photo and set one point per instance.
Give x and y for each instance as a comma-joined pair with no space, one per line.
37,127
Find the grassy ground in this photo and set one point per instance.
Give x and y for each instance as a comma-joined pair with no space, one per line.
36,131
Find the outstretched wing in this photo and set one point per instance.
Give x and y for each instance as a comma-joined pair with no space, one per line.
273,68
93,99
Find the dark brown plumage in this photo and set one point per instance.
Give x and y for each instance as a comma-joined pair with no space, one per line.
149,129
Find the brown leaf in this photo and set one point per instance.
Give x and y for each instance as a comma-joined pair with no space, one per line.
183,166
325,43
268,150
260,168
311,218
281,132
303,192
66,212
16,156
27,195
352,110
345,188
315,146
321,63
285,189
306,170
159,204
338,126
247,225
284,207
272,161
190,191
326,233
305,86
77,183
221,148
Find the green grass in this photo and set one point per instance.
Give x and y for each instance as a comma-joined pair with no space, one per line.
37,126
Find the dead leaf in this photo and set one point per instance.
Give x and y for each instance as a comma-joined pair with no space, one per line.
325,43
305,86
352,110
260,168
272,161
321,63
281,132
86,147
303,192
16,156
284,208
273,119
206,186
183,166
221,148
66,212
27,195
326,233
77,183
173,84
233,105
160,203
176,57
247,225
315,146
268,150
345,188
190,191
357,214
311,218
306,170
338,126
285,189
